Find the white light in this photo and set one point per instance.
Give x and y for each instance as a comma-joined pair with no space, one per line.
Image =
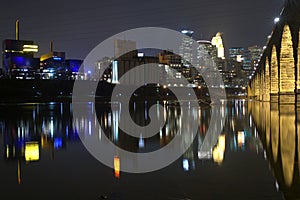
185,165
276,20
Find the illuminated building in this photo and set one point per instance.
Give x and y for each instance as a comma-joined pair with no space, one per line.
100,68
168,60
218,42
18,57
236,53
126,62
206,50
186,47
54,65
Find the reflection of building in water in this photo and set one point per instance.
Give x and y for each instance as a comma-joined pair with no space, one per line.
279,130
31,129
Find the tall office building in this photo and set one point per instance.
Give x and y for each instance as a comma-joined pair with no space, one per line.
206,51
256,53
218,42
236,53
186,47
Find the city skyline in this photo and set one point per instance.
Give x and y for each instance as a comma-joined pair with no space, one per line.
78,28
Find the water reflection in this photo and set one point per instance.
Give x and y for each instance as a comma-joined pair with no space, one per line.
33,134
28,130
278,126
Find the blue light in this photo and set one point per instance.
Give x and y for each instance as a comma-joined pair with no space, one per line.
56,58
57,143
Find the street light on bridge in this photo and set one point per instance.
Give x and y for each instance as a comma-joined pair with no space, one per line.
276,20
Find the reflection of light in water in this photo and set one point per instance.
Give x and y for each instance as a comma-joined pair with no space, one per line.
146,111
219,150
115,127
7,151
19,172
90,127
67,131
32,151
141,142
185,165
288,145
298,131
250,121
134,106
275,134
51,127
57,143
61,108
100,136
117,166
277,186
241,138
157,110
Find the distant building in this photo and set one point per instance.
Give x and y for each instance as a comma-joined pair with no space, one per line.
206,51
168,61
123,47
236,53
218,42
18,58
54,65
103,67
186,47
129,61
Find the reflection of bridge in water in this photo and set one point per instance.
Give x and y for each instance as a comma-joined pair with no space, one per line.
279,129
277,80
278,73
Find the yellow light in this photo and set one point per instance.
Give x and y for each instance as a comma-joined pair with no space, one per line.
241,138
7,151
218,155
219,150
30,46
30,50
32,151
117,166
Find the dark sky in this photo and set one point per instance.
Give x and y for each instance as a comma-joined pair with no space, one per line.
78,26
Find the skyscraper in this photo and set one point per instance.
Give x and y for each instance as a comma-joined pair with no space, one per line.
218,42
236,53
186,47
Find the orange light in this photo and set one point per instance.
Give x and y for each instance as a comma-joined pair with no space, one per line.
117,166
19,172
241,138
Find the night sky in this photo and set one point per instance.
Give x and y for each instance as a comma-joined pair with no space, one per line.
76,27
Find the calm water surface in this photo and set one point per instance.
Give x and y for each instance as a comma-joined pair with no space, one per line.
255,157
